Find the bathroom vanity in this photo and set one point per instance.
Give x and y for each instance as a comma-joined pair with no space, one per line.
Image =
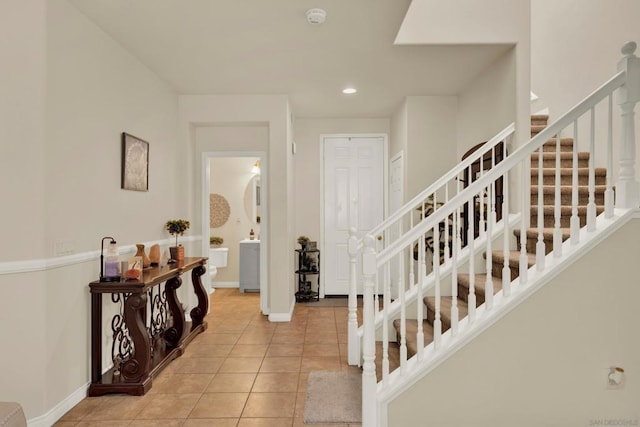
250,265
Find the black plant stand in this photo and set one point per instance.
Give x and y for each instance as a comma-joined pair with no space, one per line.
308,275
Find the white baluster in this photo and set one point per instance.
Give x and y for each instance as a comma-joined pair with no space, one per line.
437,323
471,245
403,310
488,284
481,210
369,381
419,303
506,268
525,191
557,213
627,187
352,327
575,219
446,227
454,272
591,205
540,248
385,328
608,194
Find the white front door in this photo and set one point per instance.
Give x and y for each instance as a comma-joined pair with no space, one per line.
353,197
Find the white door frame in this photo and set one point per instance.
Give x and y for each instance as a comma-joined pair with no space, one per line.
385,183
264,214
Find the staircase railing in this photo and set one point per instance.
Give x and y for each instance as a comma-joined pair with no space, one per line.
516,268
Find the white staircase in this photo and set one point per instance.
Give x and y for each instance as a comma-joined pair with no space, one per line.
520,270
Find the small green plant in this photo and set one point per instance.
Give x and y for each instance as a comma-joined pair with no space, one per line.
303,240
177,227
216,241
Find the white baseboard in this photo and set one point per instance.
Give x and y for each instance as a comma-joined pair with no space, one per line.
60,409
283,317
225,284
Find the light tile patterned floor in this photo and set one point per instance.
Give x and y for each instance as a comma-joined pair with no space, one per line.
243,371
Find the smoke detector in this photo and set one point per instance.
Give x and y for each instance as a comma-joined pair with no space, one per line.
316,16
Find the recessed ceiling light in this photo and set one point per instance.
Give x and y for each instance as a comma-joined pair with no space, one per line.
349,90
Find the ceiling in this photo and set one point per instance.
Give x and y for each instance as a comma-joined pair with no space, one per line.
267,47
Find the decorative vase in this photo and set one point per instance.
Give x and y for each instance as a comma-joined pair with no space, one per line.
180,253
173,252
154,254
146,262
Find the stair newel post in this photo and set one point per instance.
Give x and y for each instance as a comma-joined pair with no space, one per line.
437,323
524,265
557,233
488,284
608,193
369,381
506,268
627,193
352,327
575,219
591,205
472,277
540,248
422,267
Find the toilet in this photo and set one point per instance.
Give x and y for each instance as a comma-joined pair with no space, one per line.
217,259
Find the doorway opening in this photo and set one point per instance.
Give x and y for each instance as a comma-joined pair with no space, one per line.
234,210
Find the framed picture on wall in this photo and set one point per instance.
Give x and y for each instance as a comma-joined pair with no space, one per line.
135,163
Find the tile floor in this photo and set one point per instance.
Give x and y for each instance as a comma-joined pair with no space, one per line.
243,371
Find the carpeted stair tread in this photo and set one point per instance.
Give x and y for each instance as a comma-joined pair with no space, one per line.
446,303
479,286
535,129
514,257
566,159
565,215
566,144
568,171
547,233
536,118
411,331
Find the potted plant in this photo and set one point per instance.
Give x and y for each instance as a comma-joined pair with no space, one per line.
177,227
215,241
302,241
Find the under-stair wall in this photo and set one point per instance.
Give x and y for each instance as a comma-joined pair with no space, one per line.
546,362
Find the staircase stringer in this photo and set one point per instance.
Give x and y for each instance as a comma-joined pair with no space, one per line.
417,369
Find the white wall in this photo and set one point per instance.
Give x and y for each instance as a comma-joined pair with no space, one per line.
232,178
472,22
546,362
308,163
22,126
431,140
70,91
575,46
488,104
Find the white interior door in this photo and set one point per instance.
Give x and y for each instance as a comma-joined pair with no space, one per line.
353,197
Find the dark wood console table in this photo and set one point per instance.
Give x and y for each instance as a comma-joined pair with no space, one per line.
150,329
